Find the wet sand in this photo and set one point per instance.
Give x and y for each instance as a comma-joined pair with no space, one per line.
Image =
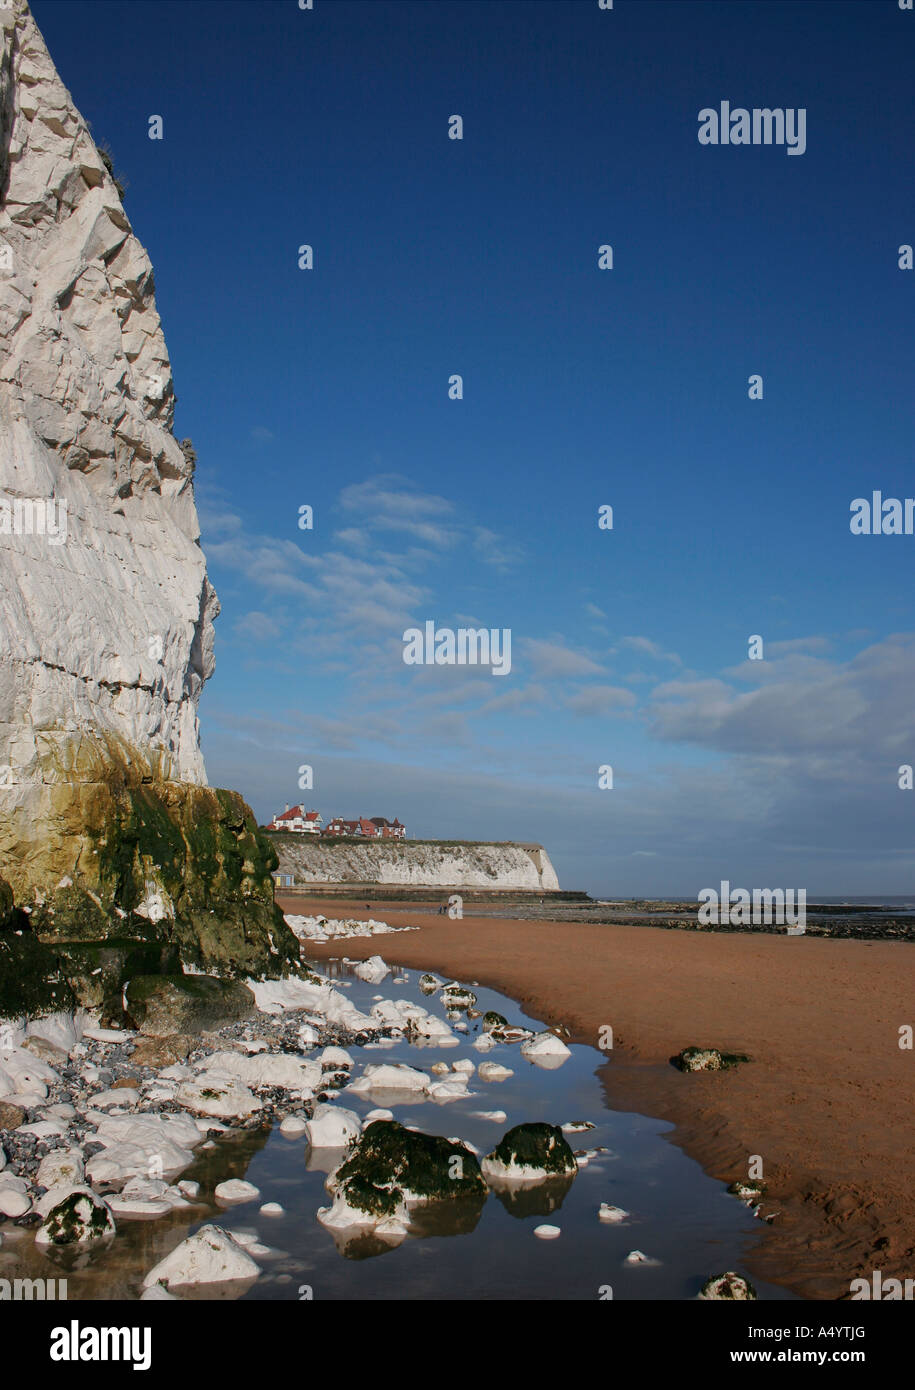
827,1101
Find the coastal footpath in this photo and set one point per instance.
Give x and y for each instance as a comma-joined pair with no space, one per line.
825,1100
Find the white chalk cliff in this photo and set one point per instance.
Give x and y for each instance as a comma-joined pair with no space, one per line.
106,624
109,629
417,863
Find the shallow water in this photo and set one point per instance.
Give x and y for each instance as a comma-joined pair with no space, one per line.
680,1218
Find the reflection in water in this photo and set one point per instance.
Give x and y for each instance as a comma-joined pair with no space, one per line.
685,1220
454,1218
533,1199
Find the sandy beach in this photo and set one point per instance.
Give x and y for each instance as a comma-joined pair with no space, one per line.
826,1101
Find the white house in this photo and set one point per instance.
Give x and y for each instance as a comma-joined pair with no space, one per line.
298,819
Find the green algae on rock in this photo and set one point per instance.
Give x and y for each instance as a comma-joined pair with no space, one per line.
32,980
530,1153
81,1218
161,1006
174,864
107,825
727,1286
390,1164
707,1059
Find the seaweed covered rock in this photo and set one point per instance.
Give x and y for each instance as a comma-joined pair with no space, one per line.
32,981
727,1286
707,1059
530,1153
493,1020
98,970
181,866
750,1191
80,1219
392,1164
7,905
508,1032
455,996
164,1005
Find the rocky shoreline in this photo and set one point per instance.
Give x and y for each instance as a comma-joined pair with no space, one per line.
842,922
100,1124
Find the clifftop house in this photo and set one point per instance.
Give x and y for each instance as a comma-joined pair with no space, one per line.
302,822
298,819
389,829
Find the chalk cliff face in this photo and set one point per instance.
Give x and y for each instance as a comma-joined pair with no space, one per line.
416,863
106,612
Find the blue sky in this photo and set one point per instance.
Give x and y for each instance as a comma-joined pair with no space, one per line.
582,387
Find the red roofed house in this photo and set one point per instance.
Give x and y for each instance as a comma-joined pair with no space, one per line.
337,826
389,829
298,819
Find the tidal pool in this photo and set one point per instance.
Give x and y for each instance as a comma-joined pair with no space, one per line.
683,1221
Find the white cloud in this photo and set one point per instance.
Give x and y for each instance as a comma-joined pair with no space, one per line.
555,659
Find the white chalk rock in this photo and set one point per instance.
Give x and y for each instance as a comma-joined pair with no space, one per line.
545,1050
64,1030
390,1077
332,1127
28,1073
493,1071
455,1088
61,1166
373,970
236,1190
547,1232
13,1204
218,1096
138,1208
80,1218
282,1069
107,1035
336,1058
122,1096
211,1256
614,1215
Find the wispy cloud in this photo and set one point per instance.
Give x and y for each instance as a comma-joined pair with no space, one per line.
554,659
650,648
